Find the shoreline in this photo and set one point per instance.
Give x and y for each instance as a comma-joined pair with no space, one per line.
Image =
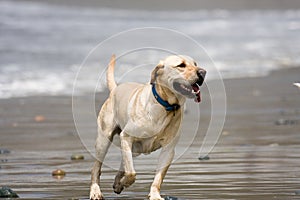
106,91
250,95
187,5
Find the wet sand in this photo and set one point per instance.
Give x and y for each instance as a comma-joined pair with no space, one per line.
257,156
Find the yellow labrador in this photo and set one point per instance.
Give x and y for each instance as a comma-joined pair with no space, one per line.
146,117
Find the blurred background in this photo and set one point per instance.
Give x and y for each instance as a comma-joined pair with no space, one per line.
43,43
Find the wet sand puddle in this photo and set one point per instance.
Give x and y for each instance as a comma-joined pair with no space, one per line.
244,172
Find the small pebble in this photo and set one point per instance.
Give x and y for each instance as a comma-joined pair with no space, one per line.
15,124
225,133
204,157
58,172
274,145
6,192
171,198
4,151
39,118
256,93
77,157
281,122
297,192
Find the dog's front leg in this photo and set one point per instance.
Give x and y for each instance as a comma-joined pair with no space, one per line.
126,147
165,158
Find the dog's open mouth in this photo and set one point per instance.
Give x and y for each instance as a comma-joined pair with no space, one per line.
196,91
190,91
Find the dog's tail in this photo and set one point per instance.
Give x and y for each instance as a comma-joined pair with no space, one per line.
110,79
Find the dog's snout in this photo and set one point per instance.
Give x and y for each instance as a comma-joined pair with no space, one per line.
201,73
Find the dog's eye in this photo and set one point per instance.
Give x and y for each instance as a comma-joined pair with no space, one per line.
195,63
182,65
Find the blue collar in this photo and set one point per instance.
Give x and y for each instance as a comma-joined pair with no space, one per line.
162,102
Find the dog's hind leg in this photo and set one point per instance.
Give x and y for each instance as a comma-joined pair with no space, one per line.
106,131
102,145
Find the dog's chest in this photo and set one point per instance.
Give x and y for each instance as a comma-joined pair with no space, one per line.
148,145
145,146
146,125
155,136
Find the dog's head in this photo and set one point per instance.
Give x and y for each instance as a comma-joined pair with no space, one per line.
181,75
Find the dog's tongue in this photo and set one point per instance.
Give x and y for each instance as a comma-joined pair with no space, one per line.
197,93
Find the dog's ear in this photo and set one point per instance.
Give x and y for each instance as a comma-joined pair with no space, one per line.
154,73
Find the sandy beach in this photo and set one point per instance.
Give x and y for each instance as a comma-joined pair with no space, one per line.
258,153
257,156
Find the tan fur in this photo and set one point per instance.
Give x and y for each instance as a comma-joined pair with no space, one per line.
111,84
143,125
154,73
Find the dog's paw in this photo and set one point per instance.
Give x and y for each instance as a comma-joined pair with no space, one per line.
128,179
155,196
95,192
118,188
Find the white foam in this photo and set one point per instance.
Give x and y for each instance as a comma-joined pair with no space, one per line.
42,46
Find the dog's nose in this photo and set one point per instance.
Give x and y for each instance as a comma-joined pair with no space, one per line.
201,73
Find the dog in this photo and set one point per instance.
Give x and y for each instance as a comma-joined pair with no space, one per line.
146,117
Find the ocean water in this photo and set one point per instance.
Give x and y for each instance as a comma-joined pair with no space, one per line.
49,50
